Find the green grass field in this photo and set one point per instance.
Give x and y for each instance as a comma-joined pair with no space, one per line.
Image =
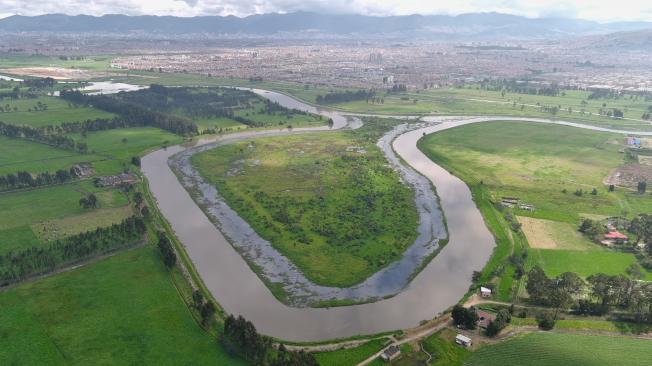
444,350
120,311
542,349
58,111
58,209
472,101
584,263
328,202
351,356
537,163
23,155
120,145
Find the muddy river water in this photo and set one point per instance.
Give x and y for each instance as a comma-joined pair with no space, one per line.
442,282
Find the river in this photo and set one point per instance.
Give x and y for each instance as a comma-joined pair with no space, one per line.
240,291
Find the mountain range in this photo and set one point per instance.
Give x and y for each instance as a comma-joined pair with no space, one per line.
466,26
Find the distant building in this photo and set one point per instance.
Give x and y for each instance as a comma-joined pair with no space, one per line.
390,353
485,292
463,340
614,237
116,180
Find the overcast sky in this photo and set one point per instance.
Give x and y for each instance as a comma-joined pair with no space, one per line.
600,10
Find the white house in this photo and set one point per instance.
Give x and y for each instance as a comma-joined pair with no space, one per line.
485,292
463,340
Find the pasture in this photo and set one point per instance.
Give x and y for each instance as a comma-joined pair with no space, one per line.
57,111
23,155
327,201
121,310
350,356
543,166
58,208
120,145
543,349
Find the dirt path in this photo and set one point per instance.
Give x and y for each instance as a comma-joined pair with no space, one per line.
413,335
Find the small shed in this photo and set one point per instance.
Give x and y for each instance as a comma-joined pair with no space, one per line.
485,292
390,353
463,340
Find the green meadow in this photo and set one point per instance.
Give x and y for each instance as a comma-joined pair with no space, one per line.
57,112
120,145
120,311
543,165
31,217
350,356
543,349
23,155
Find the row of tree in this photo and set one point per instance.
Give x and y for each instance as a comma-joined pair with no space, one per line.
347,96
240,337
28,180
42,136
20,264
598,295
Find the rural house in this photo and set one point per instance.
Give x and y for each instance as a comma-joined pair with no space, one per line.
390,353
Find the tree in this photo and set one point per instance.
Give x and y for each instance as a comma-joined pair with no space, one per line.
502,319
537,285
546,321
135,160
169,257
641,187
207,311
467,318
138,199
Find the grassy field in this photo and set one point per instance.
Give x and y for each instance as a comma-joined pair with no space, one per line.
543,166
444,350
58,209
122,310
97,63
22,155
584,263
549,234
472,101
120,145
542,349
328,202
351,356
58,111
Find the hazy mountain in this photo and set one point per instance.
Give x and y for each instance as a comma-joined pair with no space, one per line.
640,40
465,26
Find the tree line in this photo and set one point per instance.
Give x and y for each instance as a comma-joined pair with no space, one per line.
20,264
133,114
28,180
240,337
42,136
342,97
599,294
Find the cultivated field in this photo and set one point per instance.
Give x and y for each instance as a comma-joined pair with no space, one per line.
542,349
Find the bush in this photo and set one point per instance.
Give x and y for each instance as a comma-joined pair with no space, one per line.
546,321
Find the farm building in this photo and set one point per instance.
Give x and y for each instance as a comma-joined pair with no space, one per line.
115,180
390,353
463,340
485,292
616,236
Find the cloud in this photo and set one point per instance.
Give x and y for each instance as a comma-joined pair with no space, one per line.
601,10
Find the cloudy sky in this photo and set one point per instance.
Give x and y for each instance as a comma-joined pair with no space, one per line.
600,10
